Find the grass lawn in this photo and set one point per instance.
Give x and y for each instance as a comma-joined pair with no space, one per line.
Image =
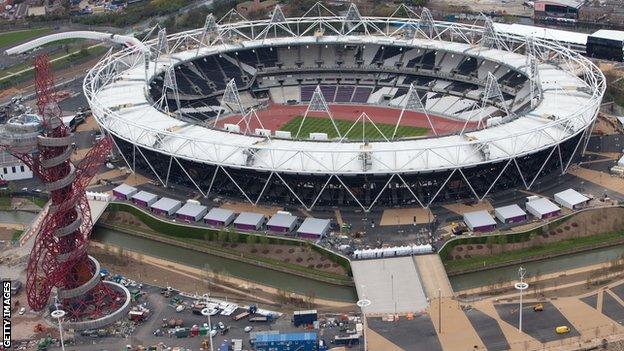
17,233
12,38
324,125
5,201
531,252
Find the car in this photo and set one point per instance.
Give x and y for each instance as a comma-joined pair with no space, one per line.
563,329
213,333
22,311
221,325
538,308
248,329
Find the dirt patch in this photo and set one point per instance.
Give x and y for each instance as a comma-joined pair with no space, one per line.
583,224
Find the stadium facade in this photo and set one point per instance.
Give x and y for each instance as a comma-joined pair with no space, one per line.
526,107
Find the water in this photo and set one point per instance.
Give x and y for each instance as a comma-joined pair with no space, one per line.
17,217
556,264
237,269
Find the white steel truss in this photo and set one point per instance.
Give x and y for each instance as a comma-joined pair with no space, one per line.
414,103
390,161
318,104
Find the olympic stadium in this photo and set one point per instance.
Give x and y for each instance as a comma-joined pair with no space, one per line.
347,110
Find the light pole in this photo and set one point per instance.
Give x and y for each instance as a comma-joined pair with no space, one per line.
361,304
59,314
206,312
521,285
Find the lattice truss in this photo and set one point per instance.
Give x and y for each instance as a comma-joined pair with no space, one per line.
318,21
59,255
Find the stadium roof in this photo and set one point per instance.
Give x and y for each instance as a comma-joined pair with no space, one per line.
563,36
566,108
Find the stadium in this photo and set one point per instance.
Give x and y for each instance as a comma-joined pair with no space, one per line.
347,110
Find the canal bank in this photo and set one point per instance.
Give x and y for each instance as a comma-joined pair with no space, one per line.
562,265
225,267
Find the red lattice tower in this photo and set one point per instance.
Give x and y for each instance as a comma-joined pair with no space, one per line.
59,255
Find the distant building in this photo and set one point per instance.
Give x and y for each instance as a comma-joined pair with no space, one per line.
545,9
11,168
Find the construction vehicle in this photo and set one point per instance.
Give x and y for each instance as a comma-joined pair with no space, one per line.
538,308
458,228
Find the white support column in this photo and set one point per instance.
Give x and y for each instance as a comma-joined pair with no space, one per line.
490,37
170,84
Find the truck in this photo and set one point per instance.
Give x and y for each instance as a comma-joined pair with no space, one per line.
225,346
237,344
304,317
240,316
261,319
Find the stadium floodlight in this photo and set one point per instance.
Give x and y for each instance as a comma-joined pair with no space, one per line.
318,104
490,37
413,103
426,24
170,85
492,96
278,15
533,71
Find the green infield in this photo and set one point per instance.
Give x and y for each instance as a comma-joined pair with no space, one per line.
324,125
16,37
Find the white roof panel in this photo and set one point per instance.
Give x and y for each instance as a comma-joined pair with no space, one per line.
572,197
511,211
543,206
478,219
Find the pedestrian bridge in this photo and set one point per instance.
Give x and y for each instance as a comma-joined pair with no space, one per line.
400,285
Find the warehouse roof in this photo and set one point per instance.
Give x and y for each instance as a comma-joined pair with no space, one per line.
125,189
144,196
479,219
249,218
543,206
568,3
166,204
219,214
282,220
314,226
191,210
572,197
609,34
510,211
269,337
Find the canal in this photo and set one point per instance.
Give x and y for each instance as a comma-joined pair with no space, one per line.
17,217
551,265
222,265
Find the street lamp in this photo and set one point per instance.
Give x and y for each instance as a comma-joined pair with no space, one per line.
362,304
206,312
59,314
522,286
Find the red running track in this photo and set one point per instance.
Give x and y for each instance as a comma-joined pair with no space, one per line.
276,115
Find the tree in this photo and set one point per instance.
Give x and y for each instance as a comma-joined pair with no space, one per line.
251,239
502,241
489,242
222,236
233,235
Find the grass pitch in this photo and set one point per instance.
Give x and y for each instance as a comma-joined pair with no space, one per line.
16,37
324,125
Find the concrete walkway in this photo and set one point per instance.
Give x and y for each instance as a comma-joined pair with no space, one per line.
433,276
